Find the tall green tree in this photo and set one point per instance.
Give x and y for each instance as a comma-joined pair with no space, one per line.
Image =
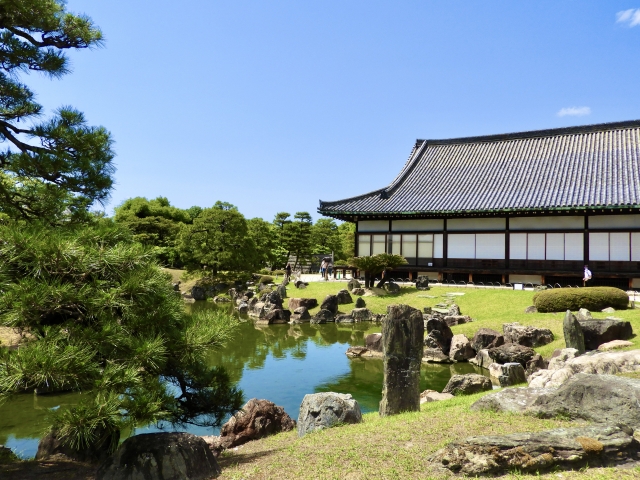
300,237
56,167
347,232
376,264
265,239
325,238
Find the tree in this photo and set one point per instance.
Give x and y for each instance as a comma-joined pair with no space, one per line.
376,264
103,318
300,237
347,232
57,167
265,239
325,238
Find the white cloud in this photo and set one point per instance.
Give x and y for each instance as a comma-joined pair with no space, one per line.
574,111
631,17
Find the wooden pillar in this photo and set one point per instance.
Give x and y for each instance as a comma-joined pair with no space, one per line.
445,244
471,277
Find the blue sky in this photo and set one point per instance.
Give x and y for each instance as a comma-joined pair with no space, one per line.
273,105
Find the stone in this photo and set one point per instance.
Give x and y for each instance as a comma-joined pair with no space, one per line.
526,335
573,335
274,298
507,374
360,303
352,284
303,313
613,344
486,338
454,310
256,419
276,316
559,357
301,285
282,291
512,352
602,363
467,384
453,320
595,398
324,410
308,303
482,360
584,314
198,293
531,309
243,308
361,314
510,400
392,287
461,350
597,332
373,342
427,310
161,456
344,318
433,396
559,449
330,303
323,316
358,291
535,364
440,325
402,340
422,282
435,355
344,297
176,286
608,310
7,456
435,340
356,351
51,445
221,299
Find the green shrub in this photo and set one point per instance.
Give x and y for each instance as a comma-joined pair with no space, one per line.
341,263
278,272
591,298
266,279
264,271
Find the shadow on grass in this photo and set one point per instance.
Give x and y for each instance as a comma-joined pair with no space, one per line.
51,470
235,459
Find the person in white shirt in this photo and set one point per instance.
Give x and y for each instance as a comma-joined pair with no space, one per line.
587,275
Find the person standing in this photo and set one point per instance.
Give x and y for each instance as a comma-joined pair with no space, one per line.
323,268
287,271
587,275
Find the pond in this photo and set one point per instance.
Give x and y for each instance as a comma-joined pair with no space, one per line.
280,363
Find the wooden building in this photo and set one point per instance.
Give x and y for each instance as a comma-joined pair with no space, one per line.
521,207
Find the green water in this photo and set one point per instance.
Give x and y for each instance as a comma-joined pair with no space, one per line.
280,363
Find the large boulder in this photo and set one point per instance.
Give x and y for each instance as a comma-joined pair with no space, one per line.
596,398
198,293
436,340
584,314
309,303
512,352
422,282
433,396
353,283
273,298
561,449
161,456
324,410
256,419
282,291
483,359
344,318
461,350
467,384
358,291
302,314
435,355
330,303
436,323
360,303
486,338
7,456
361,314
392,287
52,445
508,374
511,400
526,335
573,335
373,342
344,297
323,316
597,332
453,320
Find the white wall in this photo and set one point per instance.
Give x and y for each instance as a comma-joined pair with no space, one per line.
546,223
490,246
614,221
476,224
438,246
430,225
373,226
518,246
462,245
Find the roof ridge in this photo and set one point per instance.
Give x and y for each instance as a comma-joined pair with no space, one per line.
548,132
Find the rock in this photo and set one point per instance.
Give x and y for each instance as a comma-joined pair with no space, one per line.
486,338
608,310
330,303
402,340
435,340
461,349
323,316
422,282
324,410
249,294
453,320
526,335
352,284
597,332
161,456
344,297
301,285
454,310
214,443
7,456
50,445
361,314
392,287
559,357
595,398
373,341
508,374
427,310
344,318
561,449
512,352
467,384
356,351
535,364
176,287
276,315
274,298
511,400
358,291
441,326
583,314
482,359
221,299
435,355
198,293
613,344
602,363
360,303
531,309
308,303
256,419
573,335
433,396
243,308
302,313
282,291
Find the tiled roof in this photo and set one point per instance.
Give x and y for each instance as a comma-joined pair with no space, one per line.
588,167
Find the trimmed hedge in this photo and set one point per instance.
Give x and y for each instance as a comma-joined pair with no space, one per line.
591,298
